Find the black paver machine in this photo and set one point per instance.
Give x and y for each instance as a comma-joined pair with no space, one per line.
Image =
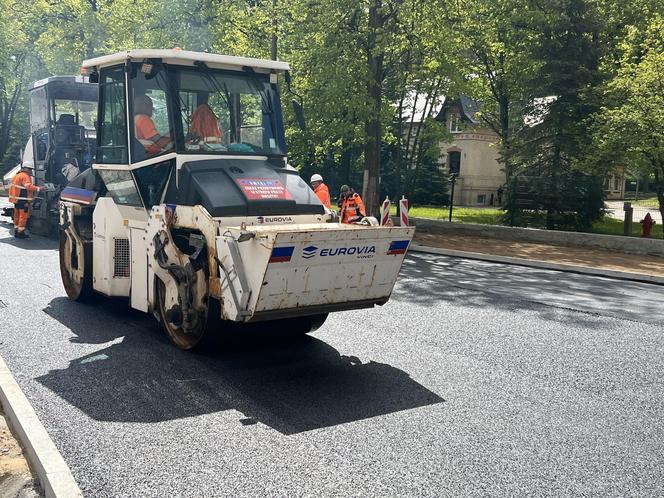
63,111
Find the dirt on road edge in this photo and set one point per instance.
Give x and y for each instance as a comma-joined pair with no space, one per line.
16,479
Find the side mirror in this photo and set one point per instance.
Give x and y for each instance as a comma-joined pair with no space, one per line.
93,77
299,115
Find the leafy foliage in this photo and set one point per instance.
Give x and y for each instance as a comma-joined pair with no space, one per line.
573,201
629,129
567,85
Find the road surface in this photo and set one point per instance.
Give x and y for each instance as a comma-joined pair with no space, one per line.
476,378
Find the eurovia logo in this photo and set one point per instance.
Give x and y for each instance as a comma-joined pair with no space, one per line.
274,219
361,252
309,252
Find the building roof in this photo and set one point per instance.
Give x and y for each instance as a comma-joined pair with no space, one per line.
538,110
187,58
468,107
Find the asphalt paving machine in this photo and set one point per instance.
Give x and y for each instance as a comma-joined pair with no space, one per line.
192,212
62,143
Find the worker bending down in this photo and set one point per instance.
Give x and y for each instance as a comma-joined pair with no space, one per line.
321,190
20,194
352,207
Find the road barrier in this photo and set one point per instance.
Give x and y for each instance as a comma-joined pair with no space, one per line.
403,210
385,219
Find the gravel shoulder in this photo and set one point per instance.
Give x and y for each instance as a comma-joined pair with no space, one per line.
16,480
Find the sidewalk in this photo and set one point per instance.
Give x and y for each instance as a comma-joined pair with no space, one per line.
563,255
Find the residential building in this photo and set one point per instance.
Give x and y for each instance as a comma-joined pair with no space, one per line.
473,151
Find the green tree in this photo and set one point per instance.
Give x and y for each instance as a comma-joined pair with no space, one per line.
499,35
564,94
14,62
629,129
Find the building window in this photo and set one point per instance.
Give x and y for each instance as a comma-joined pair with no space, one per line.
616,183
481,199
456,126
455,162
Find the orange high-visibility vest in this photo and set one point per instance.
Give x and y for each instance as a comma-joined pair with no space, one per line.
145,133
205,125
323,193
352,209
21,188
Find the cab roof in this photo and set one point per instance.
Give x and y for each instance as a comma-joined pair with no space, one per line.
67,88
60,80
187,58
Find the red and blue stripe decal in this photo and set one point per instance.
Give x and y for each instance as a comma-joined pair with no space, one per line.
398,247
282,254
80,195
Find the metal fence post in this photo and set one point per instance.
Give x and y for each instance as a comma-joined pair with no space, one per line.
629,217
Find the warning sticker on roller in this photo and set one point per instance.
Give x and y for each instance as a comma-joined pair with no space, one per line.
263,189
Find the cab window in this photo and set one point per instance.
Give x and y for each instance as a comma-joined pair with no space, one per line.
121,186
151,121
112,141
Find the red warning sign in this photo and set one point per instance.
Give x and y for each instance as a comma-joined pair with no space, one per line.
262,189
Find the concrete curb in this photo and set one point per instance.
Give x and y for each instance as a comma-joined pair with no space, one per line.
533,263
44,458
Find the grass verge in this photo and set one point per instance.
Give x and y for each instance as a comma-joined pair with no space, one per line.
491,216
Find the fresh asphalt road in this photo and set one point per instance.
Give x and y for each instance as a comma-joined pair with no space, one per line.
475,379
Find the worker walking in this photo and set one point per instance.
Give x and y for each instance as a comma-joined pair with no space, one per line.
321,190
20,194
352,207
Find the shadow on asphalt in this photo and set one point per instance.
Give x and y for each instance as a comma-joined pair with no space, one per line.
291,385
35,242
428,280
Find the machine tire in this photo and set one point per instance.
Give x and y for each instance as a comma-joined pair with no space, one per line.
177,335
76,291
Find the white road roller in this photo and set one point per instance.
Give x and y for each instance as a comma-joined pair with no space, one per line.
191,211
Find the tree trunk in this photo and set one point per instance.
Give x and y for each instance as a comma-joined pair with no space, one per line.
8,106
504,106
372,125
346,160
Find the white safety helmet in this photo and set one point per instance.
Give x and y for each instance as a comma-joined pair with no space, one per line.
316,178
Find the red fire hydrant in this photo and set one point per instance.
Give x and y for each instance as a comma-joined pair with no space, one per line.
646,224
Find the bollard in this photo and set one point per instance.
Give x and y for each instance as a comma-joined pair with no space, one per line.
629,216
403,210
385,212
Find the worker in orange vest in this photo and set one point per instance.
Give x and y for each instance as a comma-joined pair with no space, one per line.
146,131
321,190
352,207
204,122
20,194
